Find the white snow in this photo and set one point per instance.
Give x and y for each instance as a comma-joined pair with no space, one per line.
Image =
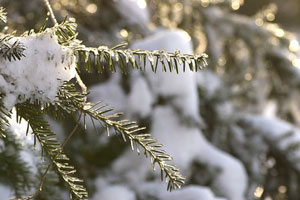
19,131
186,144
279,133
209,81
192,192
270,109
27,142
39,75
112,192
6,192
109,92
189,193
140,99
170,84
1,146
135,11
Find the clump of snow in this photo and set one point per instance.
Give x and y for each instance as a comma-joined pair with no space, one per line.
19,131
109,92
185,143
135,11
270,109
6,192
26,141
157,190
140,99
1,146
209,82
113,192
39,75
189,193
282,135
170,84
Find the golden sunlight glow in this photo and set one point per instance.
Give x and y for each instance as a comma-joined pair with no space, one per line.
296,63
270,17
204,3
248,77
141,3
258,192
294,46
178,7
282,189
268,198
56,6
124,33
187,37
235,5
222,61
92,8
279,32
64,2
259,22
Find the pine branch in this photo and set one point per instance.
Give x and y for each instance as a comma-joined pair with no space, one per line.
3,15
11,50
14,171
41,130
4,114
70,99
103,56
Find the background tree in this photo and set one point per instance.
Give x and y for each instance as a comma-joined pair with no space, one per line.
232,128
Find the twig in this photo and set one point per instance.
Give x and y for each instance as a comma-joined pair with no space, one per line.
40,187
81,84
50,10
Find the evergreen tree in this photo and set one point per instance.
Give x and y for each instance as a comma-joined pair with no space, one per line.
231,128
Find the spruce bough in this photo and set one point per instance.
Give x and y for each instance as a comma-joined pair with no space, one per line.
63,59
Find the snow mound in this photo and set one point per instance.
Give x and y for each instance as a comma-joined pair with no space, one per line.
134,10
39,74
114,192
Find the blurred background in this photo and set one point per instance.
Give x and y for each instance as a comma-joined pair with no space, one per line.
232,128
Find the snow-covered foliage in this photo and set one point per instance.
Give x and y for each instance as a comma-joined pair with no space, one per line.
232,129
38,75
169,127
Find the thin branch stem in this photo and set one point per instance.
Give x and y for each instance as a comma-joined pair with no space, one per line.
81,83
50,10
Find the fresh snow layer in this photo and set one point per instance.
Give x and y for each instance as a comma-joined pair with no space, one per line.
39,74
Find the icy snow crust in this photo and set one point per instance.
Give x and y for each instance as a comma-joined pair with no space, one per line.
39,74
